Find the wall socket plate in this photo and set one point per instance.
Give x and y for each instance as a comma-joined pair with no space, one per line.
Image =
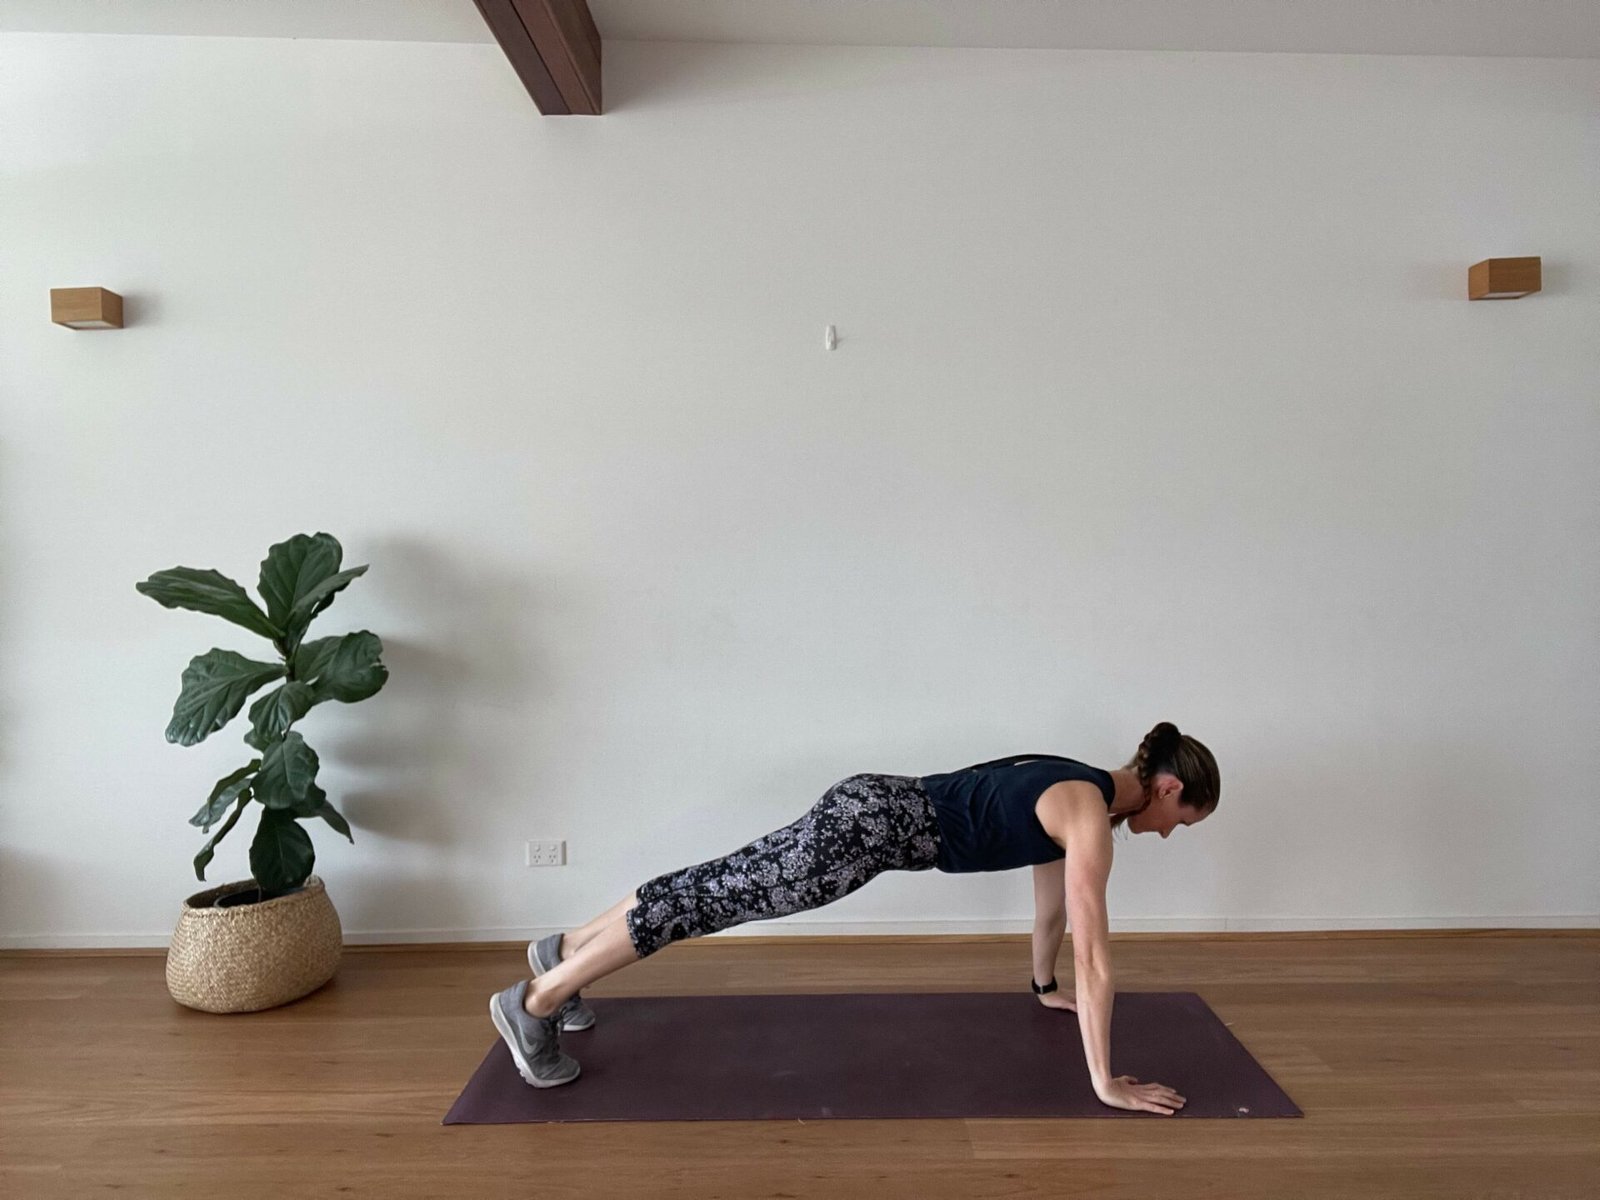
544,854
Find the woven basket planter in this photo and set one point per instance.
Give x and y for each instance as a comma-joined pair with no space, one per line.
253,956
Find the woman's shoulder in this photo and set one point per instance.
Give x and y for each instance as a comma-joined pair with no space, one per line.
1063,804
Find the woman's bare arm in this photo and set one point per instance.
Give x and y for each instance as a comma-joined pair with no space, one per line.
1049,892
1087,835
1049,918
1088,866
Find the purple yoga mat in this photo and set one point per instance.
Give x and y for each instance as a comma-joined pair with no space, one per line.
854,1055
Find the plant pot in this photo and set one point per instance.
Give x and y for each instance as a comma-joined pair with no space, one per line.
247,957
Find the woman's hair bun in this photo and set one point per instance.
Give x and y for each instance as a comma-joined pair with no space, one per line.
1157,750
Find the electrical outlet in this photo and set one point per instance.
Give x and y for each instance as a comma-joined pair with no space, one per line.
544,854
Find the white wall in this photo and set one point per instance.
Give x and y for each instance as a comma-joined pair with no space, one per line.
1157,397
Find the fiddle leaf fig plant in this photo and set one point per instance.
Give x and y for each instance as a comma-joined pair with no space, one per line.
299,578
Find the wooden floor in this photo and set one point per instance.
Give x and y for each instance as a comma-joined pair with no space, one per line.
1441,1065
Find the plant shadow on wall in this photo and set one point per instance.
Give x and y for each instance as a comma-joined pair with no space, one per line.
299,579
456,741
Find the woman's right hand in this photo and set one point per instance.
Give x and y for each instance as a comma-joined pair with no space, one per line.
1125,1091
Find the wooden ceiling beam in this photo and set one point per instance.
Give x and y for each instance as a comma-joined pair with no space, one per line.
554,47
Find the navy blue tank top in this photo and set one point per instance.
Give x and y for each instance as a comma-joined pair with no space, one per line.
986,817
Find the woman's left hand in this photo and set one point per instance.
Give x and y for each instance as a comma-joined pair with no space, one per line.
1058,999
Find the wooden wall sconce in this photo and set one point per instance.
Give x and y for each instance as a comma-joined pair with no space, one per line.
1503,278
86,308
554,47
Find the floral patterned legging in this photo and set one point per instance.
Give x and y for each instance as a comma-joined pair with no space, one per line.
862,826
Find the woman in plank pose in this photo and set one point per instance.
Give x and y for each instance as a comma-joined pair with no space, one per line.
1052,813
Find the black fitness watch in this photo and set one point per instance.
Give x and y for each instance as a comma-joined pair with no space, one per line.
1039,991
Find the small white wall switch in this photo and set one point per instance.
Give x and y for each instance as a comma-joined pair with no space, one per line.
544,854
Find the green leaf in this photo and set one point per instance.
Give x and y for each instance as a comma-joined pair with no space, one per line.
209,592
215,686
299,579
316,805
203,859
271,716
333,817
342,668
293,568
319,597
314,602
225,793
288,772
310,661
281,855
308,804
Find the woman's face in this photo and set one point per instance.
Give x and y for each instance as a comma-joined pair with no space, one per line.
1164,813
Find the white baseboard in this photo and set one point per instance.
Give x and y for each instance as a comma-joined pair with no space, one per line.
789,927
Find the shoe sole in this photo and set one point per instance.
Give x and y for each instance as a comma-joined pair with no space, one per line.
539,969
510,1039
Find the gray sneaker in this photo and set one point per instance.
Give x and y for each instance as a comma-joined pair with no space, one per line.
545,955
535,1042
